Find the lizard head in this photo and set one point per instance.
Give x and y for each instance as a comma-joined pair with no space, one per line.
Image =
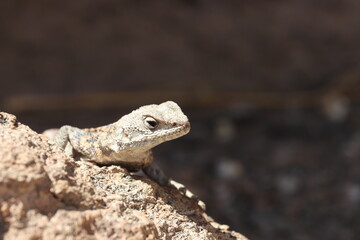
151,125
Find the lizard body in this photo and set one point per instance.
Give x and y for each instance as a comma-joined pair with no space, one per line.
128,142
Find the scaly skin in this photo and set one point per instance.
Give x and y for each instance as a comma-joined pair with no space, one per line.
128,142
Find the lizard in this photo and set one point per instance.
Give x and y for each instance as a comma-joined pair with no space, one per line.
128,141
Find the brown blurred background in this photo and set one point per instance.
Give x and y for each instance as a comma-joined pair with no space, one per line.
271,89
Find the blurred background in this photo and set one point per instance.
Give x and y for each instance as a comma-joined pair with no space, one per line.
271,89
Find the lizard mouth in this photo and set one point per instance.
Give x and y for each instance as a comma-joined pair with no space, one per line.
168,134
160,136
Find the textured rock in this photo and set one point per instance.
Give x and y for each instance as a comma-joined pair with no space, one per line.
47,195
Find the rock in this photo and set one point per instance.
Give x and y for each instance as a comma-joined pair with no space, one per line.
46,195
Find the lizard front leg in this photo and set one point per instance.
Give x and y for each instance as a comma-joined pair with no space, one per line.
62,140
154,172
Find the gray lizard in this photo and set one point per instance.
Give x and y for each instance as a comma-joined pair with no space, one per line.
128,142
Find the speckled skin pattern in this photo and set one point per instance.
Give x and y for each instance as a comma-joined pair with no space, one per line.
128,142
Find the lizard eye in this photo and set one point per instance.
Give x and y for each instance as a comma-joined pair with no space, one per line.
150,122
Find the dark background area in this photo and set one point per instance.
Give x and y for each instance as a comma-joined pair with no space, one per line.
272,90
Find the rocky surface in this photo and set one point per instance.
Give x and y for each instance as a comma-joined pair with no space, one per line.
47,195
